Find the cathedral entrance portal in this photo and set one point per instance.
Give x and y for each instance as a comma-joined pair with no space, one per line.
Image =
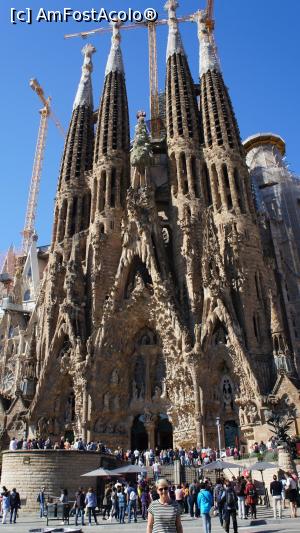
231,433
139,435
164,433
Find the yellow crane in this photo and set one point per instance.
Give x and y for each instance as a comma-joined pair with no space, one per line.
45,112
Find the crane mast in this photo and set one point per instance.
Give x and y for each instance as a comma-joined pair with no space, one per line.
45,112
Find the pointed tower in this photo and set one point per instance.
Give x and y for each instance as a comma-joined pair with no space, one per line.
111,154
183,142
227,178
111,174
248,277
72,211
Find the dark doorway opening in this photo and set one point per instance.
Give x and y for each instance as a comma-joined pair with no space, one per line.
231,433
69,434
164,433
139,435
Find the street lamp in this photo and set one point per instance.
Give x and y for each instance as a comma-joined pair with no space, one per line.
219,434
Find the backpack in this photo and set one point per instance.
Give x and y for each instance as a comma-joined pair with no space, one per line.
230,499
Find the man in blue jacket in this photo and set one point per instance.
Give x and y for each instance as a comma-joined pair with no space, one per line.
205,502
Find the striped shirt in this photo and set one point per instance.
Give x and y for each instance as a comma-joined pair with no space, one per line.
164,516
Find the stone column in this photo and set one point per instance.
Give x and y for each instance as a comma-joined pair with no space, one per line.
233,190
178,173
150,427
191,181
108,188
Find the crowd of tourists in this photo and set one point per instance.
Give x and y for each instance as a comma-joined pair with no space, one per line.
123,501
194,456
228,499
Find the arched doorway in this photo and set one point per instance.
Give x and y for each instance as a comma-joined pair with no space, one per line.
139,435
164,433
231,433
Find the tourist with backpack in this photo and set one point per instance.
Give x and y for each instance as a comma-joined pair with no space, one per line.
205,502
229,500
218,491
251,497
239,488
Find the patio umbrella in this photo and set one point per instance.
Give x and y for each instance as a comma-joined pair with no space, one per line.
261,466
219,465
100,472
129,469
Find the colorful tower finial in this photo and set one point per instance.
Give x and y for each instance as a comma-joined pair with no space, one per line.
175,45
115,60
84,95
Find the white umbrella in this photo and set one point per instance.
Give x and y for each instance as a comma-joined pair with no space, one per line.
218,465
100,472
129,469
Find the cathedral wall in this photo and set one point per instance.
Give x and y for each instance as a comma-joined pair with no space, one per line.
28,471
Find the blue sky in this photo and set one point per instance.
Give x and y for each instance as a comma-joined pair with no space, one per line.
258,44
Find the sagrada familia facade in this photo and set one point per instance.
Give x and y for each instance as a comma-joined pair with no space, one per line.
160,310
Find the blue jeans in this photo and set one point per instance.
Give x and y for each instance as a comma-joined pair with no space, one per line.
121,513
13,514
42,509
131,507
206,520
79,512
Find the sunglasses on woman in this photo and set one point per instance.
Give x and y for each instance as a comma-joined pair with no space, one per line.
161,489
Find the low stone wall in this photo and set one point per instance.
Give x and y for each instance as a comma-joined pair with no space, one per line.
29,470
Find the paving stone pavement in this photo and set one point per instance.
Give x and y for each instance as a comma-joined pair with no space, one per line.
265,523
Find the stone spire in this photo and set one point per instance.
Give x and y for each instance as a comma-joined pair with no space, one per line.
182,114
73,198
113,120
208,59
115,60
84,95
175,45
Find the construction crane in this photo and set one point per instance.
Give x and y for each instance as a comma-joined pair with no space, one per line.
45,112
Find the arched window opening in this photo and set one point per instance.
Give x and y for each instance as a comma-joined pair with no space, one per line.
216,185
206,184
102,190
183,172
74,216
257,286
256,327
195,177
225,175
62,221
239,191
276,344
173,172
26,295
113,189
